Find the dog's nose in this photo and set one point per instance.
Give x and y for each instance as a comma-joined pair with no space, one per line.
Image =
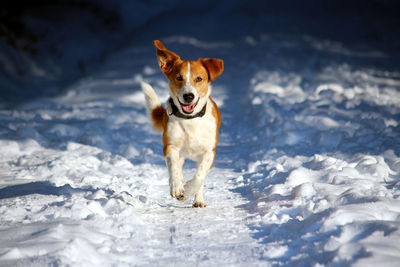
188,97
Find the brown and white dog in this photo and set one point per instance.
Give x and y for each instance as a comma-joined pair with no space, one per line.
191,121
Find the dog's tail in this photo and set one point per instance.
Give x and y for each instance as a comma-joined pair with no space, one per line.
155,111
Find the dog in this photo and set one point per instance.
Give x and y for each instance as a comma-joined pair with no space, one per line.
190,122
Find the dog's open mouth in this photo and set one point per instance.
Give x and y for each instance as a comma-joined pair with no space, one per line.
188,109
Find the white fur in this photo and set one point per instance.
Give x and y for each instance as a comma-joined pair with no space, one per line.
188,88
174,164
151,97
188,76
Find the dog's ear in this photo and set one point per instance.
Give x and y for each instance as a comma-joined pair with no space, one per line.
166,58
214,67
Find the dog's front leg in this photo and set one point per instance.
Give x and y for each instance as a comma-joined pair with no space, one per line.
195,185
174,164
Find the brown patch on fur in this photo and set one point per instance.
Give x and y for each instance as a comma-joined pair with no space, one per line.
178,70
159,45
215,67
197,70
159,118
166,58
217,115
160,123
165,142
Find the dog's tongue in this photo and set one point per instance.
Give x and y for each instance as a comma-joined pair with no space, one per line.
188,108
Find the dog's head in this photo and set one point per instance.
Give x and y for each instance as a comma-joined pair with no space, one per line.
189,80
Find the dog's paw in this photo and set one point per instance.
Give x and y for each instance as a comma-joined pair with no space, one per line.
177,192
199,205
180,197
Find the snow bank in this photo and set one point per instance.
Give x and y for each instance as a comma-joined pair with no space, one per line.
326,183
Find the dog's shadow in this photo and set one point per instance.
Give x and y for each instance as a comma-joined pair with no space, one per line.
41,188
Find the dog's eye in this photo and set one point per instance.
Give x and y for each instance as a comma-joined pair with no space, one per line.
199,79
179,78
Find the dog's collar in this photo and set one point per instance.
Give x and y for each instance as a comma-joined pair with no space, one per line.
175,111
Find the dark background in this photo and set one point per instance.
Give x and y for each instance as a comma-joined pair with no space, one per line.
45,45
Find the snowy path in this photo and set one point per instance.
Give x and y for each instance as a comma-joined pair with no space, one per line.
307,170
66,202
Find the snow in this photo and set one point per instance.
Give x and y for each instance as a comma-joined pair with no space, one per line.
307,171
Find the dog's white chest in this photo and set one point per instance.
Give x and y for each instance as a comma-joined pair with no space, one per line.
195,137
